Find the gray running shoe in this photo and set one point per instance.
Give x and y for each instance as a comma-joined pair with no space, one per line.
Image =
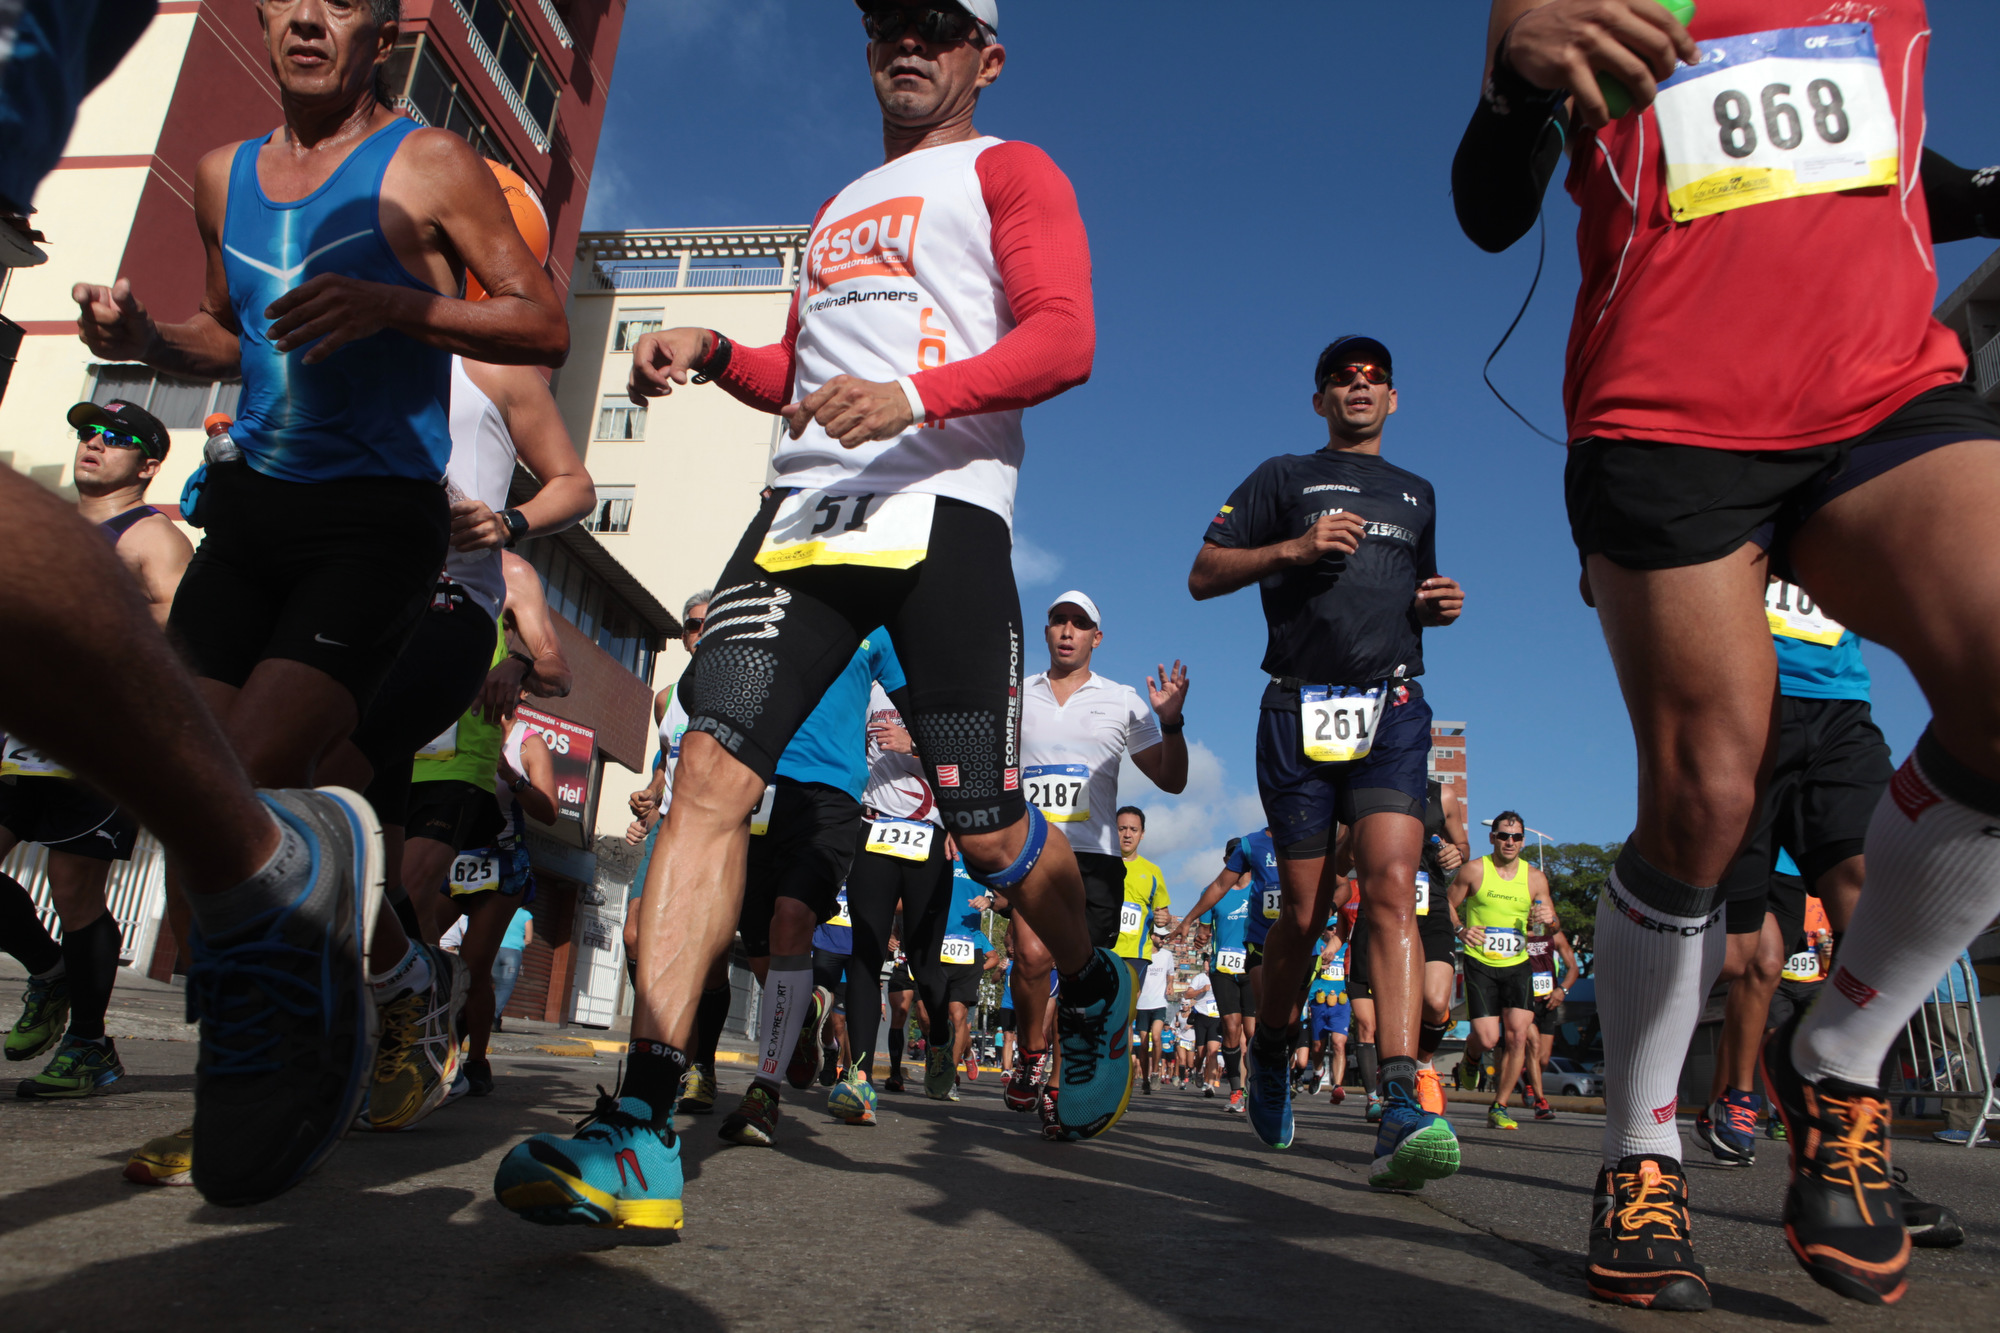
288,1029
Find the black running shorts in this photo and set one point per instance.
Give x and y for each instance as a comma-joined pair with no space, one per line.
457,813
961,981
1661,506
900,978
830,970
803,855
774,642
1207,1028
334,574
1831,770
1004,1018
1433,931
1103,895
1489,990
1232,992
434,680
1548,1017
66,815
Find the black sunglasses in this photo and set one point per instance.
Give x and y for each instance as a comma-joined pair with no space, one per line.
1346,375
112,438
1510,837
693,624
1078,619
935,26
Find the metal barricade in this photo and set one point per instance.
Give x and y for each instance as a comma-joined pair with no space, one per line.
136,893
1941,1055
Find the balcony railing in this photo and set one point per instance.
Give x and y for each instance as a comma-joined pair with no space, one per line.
536,134
555,21
1986,369
663,260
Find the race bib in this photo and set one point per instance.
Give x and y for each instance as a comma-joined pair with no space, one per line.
760,818
835,528
1272,898
1060,791
474,872
957,949
1544,984
1503,942
444,747
1229,960
1336,972
907,839
1423,893
839,917
1131,917
1802,966
1793,614
18,760
1776,115
1338,723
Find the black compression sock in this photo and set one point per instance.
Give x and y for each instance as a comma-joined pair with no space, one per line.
895,1050
1232,1066
22,933
1273,1046
711,1016
1400,1071
406,913
1369,1084
653,1074
1095,982
1429,1037
90,958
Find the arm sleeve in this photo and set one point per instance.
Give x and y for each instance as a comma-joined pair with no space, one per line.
1506,159
1963,203
761,377
1044,259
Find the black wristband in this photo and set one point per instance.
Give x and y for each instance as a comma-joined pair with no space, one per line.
527,662
717,359
517,526
1175,727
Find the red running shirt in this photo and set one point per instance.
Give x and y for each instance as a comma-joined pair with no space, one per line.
1779,325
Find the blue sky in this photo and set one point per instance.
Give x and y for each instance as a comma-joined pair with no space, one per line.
1256,180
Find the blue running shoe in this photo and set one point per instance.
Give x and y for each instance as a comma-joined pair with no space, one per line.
288,1030
1270,1099
1096,1055
1728,1125
1413,1145
617,1170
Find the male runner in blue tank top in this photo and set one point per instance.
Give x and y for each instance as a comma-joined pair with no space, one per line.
336,248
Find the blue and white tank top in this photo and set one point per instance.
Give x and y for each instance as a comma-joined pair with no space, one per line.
378,407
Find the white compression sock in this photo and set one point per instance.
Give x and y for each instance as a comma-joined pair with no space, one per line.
412,972
1933,883
1660,948
788,991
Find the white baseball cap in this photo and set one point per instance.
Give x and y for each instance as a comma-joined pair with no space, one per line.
1075,598
986,11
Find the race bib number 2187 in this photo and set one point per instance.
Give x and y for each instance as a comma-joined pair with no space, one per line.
1776,115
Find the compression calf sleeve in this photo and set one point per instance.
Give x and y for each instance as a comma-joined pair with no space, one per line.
711,1015
1366,1054
1933,884
1660,947
895,1050
653,1074
1506,158
1232,1066
1429,1037
22,933
1962,203
90,959
788,992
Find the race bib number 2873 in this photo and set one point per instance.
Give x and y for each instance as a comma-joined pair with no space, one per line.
1775,115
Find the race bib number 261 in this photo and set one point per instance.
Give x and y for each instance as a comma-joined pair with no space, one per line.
1776,115
1338,724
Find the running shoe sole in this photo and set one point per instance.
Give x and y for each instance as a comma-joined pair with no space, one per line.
1431,1153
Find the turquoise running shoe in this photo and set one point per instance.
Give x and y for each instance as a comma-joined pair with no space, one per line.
1413,1145
44,1016
616,1171
853,1099
80,1068
1270,1101
1096,1055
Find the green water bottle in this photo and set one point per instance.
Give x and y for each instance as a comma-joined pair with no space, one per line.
1616,99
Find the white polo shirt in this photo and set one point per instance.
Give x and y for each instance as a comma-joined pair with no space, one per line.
1070,754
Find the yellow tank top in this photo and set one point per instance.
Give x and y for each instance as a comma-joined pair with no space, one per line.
1500,906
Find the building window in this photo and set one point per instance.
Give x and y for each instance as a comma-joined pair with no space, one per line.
179,404
617,419
634,324
516,63
613,512
422,87
594,609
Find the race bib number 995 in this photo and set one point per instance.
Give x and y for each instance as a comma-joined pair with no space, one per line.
1776,115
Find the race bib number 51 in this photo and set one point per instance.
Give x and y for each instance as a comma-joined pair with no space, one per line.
829,528
1338,723
1776,115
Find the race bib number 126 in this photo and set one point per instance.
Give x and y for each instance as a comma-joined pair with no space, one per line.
1776,115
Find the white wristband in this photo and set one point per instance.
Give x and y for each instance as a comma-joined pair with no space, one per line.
916,399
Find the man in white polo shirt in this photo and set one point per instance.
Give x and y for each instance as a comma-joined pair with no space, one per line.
1075,727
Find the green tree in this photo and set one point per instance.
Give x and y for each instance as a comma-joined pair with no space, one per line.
1577,871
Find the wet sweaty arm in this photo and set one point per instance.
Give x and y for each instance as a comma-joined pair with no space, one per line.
528,615
1963,203
115,324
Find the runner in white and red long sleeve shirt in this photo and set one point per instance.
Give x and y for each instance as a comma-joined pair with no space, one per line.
942,293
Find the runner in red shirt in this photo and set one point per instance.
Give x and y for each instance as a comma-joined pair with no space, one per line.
1755,385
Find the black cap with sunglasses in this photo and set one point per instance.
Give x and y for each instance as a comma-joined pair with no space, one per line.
1353,349
123,425
944,21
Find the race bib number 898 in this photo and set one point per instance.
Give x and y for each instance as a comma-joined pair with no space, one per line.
1776,115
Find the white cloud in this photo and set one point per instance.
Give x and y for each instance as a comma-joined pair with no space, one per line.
1034,564
1185,834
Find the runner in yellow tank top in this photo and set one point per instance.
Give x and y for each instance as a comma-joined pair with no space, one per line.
1497,899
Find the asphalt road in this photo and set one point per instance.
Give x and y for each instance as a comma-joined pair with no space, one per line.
944,1216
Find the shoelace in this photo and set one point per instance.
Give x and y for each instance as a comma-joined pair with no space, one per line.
1653,1205
1742,1118
39,996
1859,1148
224,989
399,1037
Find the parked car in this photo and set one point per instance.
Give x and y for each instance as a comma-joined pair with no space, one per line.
1562,1076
